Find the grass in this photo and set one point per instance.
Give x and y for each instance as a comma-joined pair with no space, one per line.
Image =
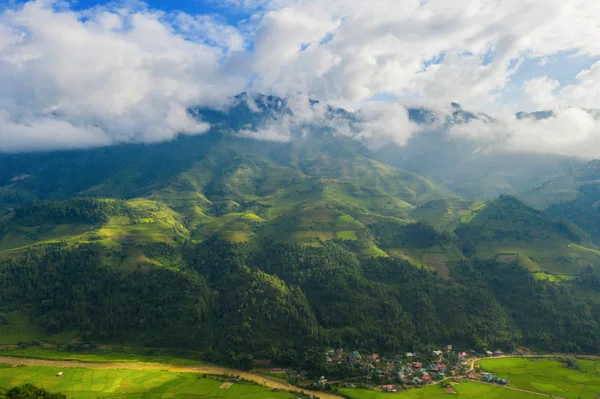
548,376
82,383
347,235
237,227
20,328
470,390
556,257
374,251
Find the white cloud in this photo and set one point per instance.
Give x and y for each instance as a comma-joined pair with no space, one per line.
542,92
387,45
128,73
569,131
586,92
116,75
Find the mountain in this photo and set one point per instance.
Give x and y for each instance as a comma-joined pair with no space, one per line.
242,248
508,230
572,196
473,169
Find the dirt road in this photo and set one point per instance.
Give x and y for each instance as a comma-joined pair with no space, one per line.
259,379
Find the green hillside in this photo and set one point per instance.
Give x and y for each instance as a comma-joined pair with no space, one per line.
508,230
240,249
572,196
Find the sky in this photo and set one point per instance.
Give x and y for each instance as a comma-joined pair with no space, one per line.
92,73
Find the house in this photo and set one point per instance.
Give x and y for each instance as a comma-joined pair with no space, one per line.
498,352
437,353
410,354
426,378
277,370
448,348
389,388
321,383
471,376
374,357
464,355
417,365
489,353
329,360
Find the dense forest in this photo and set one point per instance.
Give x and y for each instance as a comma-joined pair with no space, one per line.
235,302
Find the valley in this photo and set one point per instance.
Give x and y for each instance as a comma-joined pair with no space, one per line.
233,251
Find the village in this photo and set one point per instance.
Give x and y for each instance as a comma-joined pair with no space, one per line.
402,371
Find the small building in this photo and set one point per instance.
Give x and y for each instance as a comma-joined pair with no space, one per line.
417,365
426,378
437,353
389,388
374,357
498,352
471,376
489,353
448,348
277,370
59,374
410,354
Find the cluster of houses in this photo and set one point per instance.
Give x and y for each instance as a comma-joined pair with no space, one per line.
409,369
489,377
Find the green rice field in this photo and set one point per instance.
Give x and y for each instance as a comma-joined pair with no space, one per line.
81,383
548,376
468,390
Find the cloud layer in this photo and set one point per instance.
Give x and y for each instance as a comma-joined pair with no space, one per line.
93,78
128,72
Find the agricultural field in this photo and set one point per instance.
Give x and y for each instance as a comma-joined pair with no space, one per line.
548,376
81,383
557,257
470,390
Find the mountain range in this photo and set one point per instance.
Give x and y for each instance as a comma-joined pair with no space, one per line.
243,247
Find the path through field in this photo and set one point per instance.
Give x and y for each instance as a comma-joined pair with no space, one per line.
522,390
203,369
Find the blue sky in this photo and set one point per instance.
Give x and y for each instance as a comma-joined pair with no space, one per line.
231,13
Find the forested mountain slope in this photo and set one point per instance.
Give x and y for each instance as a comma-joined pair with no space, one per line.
242,248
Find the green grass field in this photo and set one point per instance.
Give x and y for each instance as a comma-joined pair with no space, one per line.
20,328
81,383
548,376
469,390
